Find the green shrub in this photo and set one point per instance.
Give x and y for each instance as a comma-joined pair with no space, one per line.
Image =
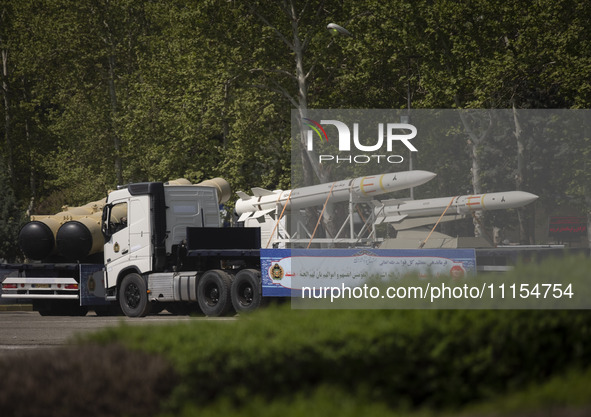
443,358
370,361
567,394
84,381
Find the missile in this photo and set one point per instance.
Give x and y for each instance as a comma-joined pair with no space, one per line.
75,232
77,239
392,211
363,188
82,236
221,186
37,239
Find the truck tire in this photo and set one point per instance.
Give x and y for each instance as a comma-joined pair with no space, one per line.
246,291
213,293
133,296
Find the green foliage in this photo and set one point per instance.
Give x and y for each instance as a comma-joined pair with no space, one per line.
566,394
11,219
398,358
98,93
84,380
322,401
568,391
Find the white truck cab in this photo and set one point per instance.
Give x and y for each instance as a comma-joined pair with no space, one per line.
143,224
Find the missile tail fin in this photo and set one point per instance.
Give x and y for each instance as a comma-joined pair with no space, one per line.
261,213
390,219
244,216
261,192
243,195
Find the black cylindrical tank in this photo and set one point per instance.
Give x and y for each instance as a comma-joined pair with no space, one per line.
36,239
80,238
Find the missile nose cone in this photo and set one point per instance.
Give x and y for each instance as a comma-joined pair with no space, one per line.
413,178
36,240
508,199
423,176
526,198
74,240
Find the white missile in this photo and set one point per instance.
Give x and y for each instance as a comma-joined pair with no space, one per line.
392,211
361,189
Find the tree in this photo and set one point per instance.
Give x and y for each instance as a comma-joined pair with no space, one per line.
96,92
11,219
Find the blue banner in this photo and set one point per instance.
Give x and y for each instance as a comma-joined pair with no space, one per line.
284,270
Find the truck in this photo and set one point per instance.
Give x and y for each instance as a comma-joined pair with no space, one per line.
152,246
162,247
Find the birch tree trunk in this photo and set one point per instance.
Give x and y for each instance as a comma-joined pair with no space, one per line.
114,110
7,117
32,178
521,181
310,165
475,141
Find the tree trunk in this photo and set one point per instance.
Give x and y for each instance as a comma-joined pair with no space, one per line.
478,215
310,165
114,111
475,140
32,181
524,215
587,190
7,118
589,222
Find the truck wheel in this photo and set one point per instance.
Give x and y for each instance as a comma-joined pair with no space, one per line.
213,293
133,296
246,291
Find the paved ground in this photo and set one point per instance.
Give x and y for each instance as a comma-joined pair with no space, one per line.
23,330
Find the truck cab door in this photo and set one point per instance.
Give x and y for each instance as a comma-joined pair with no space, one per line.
117,246
127,229
140,247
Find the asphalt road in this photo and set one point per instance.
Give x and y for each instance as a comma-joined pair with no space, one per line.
25,330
